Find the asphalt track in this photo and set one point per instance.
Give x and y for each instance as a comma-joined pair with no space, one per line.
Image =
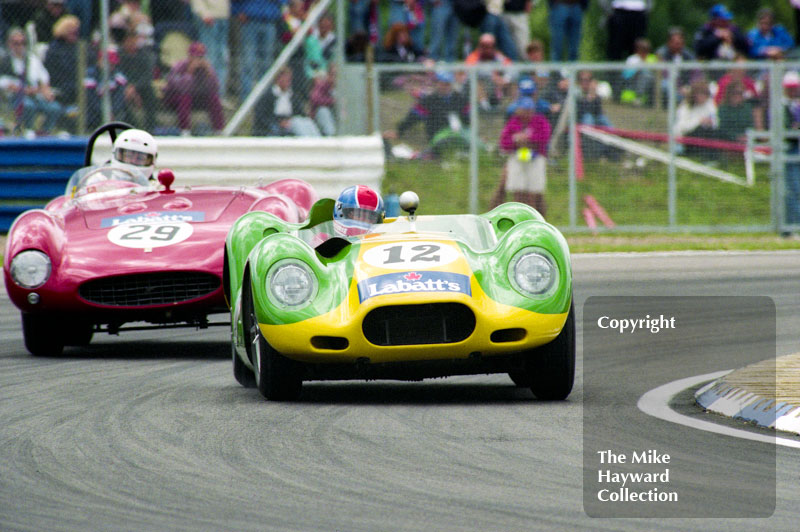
149,431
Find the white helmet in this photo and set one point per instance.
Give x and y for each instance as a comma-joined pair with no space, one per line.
135,147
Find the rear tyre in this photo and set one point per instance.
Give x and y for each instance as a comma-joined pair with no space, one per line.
43,334
277,377
550,369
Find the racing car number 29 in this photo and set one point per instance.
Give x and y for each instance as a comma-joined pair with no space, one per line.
147,236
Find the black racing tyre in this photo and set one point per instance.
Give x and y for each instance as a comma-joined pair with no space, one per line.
520,378
78,333
241,372
277,377
43,334
550,369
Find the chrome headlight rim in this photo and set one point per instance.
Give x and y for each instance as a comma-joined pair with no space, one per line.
278,273
528,253
27,259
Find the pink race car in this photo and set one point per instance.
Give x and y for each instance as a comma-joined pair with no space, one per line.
118,248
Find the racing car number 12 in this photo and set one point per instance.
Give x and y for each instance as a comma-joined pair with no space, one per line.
147,236
415,254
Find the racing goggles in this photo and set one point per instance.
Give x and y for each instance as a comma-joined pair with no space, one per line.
362,215
136,158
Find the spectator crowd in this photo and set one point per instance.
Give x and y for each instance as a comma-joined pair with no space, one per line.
51,57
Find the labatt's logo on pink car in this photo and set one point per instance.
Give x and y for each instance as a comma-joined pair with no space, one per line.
154,217
405,282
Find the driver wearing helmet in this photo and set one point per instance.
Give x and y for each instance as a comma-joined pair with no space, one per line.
138,148
357,209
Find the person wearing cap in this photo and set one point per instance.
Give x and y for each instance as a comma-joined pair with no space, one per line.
26,84
192,84
524,140
526,88
768,40
444,114
720,38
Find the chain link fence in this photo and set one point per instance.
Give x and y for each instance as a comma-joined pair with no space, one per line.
177,67
691,146
671,147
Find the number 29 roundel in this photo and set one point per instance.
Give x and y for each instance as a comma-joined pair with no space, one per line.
152,235
411,255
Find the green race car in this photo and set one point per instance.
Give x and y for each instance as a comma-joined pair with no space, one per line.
415,297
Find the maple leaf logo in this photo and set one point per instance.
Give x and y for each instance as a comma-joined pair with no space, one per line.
412,276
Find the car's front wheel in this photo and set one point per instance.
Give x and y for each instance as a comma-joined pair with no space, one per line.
78,333
277,377
43,334
549,370
241,372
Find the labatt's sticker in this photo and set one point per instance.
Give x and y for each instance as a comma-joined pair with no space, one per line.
154,217
407,282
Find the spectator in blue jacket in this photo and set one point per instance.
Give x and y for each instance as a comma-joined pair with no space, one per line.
768,40
720,38
258,32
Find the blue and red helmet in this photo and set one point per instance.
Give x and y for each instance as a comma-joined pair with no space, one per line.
357,209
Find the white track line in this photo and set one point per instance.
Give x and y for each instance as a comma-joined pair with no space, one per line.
656,403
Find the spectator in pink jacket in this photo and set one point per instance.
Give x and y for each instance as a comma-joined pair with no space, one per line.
524,139
192,84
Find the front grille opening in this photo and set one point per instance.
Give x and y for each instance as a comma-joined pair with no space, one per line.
508,335
432,323
146,289
334,343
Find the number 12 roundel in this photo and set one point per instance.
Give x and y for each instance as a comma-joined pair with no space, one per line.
411,255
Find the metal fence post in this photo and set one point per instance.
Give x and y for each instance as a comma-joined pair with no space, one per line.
339,55
473,141
672,182
373,79
777,141
104,45
573,131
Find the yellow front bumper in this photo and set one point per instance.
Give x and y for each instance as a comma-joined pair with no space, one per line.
297,340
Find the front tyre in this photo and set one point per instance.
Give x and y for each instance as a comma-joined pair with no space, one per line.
550,369
277,377
43,334
241,372
78,333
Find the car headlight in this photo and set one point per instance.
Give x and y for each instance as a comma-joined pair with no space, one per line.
30,269
533,272
291,284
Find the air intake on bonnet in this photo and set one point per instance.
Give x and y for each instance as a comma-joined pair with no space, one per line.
433,323
146,289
